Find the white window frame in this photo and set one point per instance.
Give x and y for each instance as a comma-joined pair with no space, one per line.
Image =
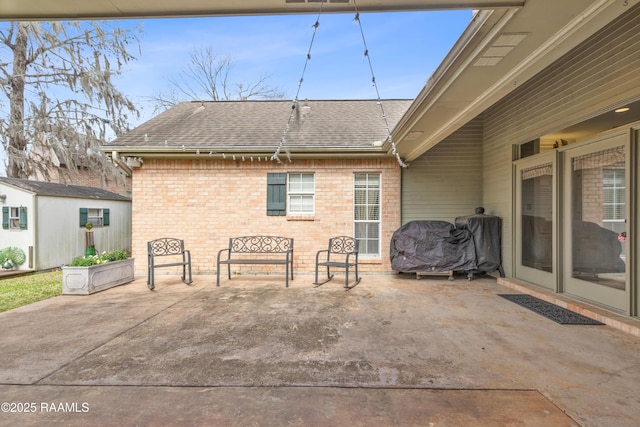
362,247
614,188
95,216
14,221
300,193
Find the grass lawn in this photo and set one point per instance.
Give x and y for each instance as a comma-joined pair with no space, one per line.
18,291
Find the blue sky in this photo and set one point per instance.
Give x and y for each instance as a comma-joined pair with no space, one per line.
404,47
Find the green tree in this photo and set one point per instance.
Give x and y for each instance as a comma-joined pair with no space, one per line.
58,82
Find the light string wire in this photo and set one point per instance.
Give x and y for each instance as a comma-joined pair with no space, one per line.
394,150
294,106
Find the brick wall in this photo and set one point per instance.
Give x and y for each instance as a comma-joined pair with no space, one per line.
205,202
88,178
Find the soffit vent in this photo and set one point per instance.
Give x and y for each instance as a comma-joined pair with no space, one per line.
504,44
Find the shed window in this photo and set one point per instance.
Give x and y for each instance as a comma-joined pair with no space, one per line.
96,216
14,217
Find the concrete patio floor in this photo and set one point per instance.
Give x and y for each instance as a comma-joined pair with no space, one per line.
392,351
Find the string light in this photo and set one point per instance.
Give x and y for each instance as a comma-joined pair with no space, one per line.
394,150
294,106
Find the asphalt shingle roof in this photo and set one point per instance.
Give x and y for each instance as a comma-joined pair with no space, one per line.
62,190
315,123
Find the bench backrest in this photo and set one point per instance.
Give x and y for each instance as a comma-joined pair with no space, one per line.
261,244
165,246
343,245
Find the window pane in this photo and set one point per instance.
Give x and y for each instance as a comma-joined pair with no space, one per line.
373,213
367,208
537,217
307,203
598,209
294,183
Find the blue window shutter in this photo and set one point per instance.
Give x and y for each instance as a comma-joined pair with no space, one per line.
276,194
23,218
5,217
105,216
84,216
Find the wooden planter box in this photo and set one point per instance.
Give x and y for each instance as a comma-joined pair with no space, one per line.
96,278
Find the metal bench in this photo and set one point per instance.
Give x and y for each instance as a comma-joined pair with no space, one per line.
269,249
342,253
167,247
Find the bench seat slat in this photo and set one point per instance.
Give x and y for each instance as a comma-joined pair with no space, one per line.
254,261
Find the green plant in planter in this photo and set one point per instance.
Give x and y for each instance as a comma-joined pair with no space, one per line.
103,258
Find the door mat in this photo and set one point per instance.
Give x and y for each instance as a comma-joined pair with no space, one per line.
551,311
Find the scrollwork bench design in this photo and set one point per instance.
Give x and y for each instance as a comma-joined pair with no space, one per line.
342,253
257,250
168,247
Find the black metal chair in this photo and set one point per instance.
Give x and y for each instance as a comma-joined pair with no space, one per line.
173,248
342,253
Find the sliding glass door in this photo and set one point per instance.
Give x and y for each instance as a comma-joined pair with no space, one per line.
595,205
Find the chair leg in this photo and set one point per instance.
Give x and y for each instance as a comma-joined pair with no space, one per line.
357,279
184,274
329,277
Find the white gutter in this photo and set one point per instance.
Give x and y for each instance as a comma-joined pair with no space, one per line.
116,158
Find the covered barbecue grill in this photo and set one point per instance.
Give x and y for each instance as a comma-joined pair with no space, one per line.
439,247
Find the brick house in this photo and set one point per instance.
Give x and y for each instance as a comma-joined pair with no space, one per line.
49,157
203,172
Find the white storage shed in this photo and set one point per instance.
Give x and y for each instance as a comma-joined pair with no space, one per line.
47,221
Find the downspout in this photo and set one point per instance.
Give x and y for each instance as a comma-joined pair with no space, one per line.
116,158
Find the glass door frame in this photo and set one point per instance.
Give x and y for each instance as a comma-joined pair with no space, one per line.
616,299
548,280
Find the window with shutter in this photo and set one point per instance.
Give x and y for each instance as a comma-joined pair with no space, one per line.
14,217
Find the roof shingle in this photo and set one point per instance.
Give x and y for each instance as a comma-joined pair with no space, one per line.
62,190
251,124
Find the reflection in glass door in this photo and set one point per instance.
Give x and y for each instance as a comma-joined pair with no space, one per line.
596,269
535,213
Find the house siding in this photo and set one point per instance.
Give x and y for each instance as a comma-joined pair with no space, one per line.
599,74
205,202
60,238
446,182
